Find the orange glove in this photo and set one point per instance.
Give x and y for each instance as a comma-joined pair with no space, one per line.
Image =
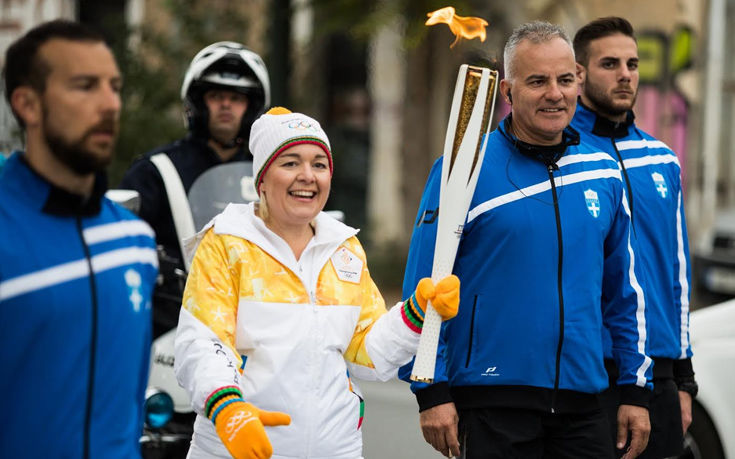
240,427
444,297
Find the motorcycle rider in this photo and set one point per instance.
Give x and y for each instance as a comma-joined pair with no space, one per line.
225,88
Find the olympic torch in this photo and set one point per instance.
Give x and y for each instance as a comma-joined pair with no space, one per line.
469,119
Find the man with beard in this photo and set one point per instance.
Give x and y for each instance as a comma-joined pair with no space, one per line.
225,88
607,65
77,270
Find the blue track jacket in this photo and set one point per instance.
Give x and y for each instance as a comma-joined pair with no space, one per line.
542,264
74,348
652,176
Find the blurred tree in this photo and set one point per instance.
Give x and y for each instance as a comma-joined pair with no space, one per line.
279,44
361,18
345,30
153,59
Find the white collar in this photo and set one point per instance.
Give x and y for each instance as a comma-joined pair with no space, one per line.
240,220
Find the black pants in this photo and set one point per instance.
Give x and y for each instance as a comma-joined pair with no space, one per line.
507,433
667,438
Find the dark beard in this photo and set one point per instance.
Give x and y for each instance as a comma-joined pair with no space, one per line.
74,154
602,103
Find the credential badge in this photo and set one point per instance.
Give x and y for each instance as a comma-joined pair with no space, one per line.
347,265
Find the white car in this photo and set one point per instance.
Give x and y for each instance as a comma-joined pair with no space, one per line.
712,333
714,259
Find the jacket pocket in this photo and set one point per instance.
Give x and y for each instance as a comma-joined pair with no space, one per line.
472,332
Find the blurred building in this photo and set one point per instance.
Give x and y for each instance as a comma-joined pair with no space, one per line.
382,82
686,93
17,16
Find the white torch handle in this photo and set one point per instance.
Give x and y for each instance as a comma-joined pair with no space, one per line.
457,189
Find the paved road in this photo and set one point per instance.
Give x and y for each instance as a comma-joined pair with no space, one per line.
391,426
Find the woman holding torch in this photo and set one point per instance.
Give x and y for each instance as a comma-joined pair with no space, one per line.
280,312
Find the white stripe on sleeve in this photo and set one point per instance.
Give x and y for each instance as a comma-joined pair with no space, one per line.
73,270
117,230
540,188
681,256
640,315
651,160
583,158
638,144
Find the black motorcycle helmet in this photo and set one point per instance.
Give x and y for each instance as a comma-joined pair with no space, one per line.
225,65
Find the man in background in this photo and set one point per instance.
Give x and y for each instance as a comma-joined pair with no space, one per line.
607,64
77,270
225,88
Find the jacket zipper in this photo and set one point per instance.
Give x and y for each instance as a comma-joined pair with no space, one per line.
93,341
310,394
472,330
627,180
550,169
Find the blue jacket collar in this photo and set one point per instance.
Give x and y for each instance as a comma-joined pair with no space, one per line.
27,184
546,154
601,126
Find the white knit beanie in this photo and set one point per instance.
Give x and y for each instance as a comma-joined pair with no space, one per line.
279,129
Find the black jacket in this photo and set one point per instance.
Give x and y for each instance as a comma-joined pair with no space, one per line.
191,156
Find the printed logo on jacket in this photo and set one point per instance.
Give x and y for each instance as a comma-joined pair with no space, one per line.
593,203
134,282
660,183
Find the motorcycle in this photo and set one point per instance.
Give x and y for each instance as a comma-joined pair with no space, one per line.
169,418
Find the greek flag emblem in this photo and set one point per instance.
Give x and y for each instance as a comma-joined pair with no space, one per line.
660,183
593,204
134,281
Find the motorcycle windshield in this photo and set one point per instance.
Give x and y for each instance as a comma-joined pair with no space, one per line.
218,186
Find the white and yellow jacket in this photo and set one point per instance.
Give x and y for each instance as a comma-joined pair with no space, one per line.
288,332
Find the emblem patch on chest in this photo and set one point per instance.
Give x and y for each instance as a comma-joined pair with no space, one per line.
347,265
593,203
134,282
660,183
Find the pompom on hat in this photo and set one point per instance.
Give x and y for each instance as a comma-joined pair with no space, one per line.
279,129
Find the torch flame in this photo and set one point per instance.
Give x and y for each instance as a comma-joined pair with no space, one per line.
462,27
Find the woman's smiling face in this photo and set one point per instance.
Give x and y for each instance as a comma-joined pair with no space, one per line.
297,185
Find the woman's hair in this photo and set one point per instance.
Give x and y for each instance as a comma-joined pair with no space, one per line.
263,207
